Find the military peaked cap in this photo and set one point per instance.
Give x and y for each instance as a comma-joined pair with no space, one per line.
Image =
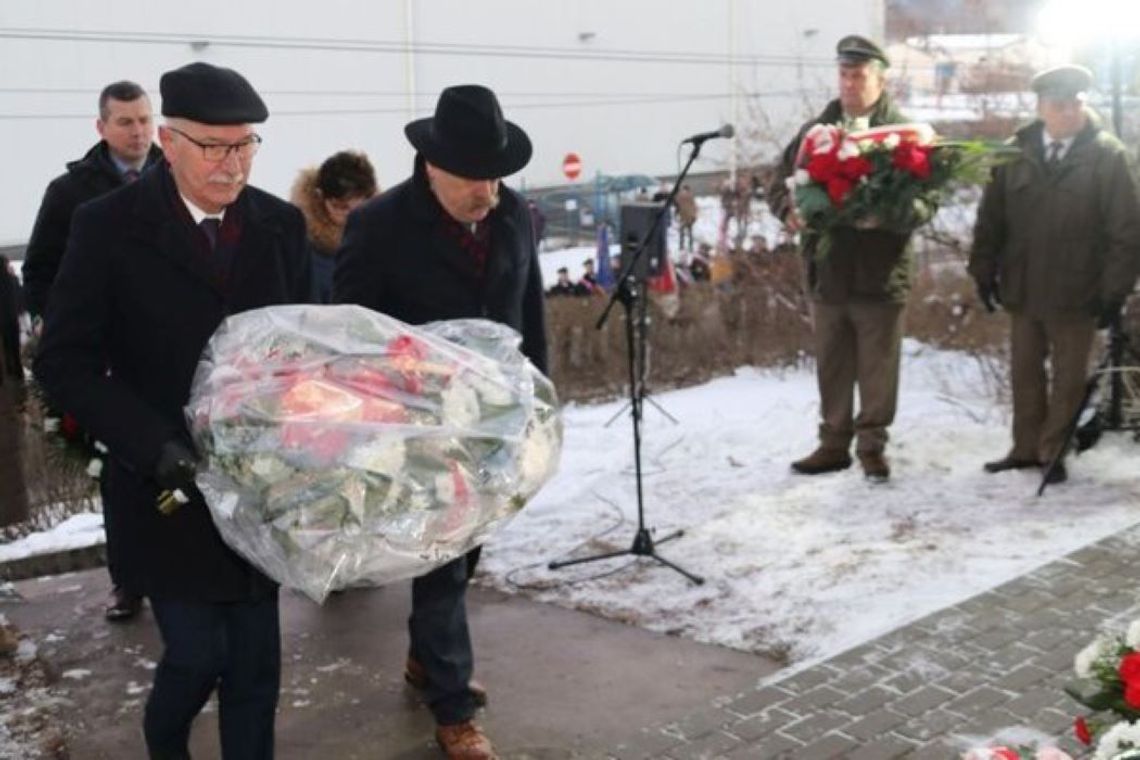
856,49
1063,82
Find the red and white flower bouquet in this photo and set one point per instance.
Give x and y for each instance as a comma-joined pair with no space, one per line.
890,177
343,447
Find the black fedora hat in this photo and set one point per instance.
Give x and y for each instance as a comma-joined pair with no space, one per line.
468,135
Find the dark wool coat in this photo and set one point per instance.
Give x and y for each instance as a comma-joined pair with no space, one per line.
871,265
91,176
397,259
138,294
1061,241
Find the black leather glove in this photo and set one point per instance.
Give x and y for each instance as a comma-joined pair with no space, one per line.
1108,313
176,466
989,296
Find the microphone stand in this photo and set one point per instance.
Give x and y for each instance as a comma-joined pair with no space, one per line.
628,293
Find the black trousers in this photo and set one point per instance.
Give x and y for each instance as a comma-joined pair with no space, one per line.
440,639
234,647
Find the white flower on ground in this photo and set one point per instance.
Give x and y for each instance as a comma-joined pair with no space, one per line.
1052,753
1132,638
1121,736
891,141
801,177
1085,658
95,467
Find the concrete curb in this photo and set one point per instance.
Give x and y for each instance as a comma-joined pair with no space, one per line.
56,563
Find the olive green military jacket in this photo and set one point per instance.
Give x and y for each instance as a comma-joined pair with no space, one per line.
1065,240
861,265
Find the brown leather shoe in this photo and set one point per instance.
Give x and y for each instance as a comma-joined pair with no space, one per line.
416,677
875,466
823,460
124,605
1010,463
465,741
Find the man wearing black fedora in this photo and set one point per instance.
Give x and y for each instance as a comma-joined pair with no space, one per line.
450,242
151,269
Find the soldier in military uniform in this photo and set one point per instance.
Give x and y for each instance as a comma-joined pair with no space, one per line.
1057,243
859,287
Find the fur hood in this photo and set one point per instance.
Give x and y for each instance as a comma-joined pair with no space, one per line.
323,233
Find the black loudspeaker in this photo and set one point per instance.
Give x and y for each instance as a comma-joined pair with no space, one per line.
636,220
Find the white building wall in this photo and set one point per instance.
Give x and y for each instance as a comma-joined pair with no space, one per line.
619,82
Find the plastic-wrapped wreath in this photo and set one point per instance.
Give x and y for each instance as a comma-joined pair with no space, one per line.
343,447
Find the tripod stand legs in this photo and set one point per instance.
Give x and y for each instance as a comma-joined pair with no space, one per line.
643,546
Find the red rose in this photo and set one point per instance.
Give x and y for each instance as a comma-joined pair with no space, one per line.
1132,694
407,346
1129,668
1082,732
855,168
838,188
912,158
69,427
823,167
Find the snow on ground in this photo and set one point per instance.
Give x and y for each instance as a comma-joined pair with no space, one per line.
796,566
76,532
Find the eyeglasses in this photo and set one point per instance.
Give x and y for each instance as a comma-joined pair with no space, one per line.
218,152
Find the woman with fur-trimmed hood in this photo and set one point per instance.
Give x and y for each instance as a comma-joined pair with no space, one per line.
325,196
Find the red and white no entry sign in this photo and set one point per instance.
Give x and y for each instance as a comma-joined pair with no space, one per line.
571,166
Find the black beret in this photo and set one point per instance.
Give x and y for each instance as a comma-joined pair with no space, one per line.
210,95
1062,82
856,49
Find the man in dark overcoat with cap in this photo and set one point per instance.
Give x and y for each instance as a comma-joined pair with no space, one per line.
451,242
1057,243
859,286
150,271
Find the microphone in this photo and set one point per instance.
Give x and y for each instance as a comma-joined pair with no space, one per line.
725,131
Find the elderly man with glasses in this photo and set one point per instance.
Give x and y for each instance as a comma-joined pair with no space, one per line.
150,271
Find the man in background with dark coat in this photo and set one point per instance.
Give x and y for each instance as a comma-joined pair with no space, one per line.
859,286
451,242
1057,243
150,272
124,152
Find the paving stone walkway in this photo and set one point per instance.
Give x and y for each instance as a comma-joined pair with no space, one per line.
998,660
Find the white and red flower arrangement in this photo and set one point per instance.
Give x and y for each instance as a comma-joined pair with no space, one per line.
891,177
1108,683
343,447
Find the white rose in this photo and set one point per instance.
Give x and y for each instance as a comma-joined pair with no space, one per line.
891,141
51,424
95,467
1132,638
866,145
801,177
1085,658
848,149
1121,736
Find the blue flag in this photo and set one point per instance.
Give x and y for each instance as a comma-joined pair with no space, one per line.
606,275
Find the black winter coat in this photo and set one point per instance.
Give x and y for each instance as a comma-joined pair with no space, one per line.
91,176
137,295
397,259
